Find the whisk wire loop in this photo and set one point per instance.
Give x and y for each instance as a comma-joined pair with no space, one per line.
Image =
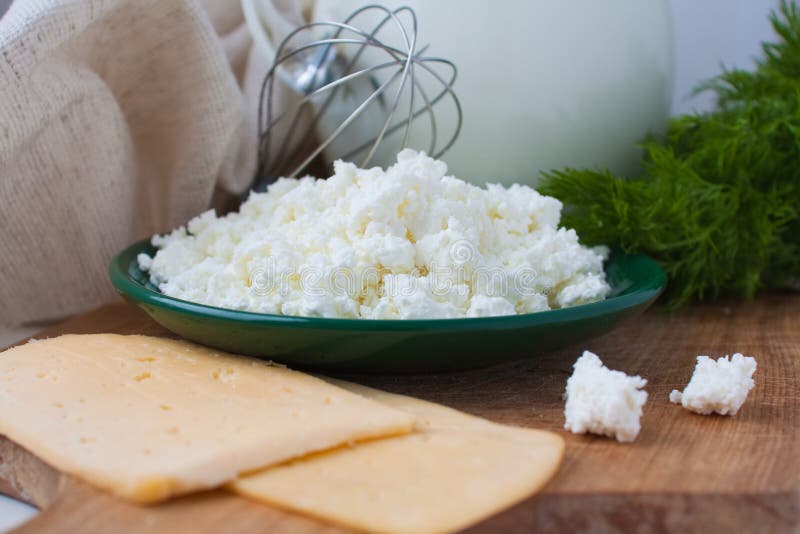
343,98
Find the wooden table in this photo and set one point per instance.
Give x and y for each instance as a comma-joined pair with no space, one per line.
685,472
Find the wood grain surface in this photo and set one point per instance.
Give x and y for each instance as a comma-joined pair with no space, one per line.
685,472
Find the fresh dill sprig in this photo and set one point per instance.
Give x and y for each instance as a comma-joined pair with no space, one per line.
718,202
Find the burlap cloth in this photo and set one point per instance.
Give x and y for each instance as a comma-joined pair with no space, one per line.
118,119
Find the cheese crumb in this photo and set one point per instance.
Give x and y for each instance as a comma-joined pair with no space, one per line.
408,242
719,386
602,401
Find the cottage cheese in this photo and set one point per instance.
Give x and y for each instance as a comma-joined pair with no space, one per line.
602,401
719,386
408,242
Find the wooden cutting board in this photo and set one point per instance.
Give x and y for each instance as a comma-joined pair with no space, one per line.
685,472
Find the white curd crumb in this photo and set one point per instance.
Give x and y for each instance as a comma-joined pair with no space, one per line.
717,386
602,401
145,261
408,242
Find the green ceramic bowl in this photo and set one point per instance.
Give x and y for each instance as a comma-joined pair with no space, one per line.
393,346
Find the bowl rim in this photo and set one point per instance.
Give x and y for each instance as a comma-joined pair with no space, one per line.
130,288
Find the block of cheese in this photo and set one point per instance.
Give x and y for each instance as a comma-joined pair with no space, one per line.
452,472
147,418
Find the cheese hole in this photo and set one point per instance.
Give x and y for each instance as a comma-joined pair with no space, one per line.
224,375
85,440
145,359
142,376
59,405
165,407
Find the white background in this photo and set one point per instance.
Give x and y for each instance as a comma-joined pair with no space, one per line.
708,33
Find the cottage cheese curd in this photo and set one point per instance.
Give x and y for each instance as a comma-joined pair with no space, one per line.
408,242
717,386
602,401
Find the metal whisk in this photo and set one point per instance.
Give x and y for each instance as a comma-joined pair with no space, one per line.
356,91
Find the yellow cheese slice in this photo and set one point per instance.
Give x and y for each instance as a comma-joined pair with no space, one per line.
454,471
147,418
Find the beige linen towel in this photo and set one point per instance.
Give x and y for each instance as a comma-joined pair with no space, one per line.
118,119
